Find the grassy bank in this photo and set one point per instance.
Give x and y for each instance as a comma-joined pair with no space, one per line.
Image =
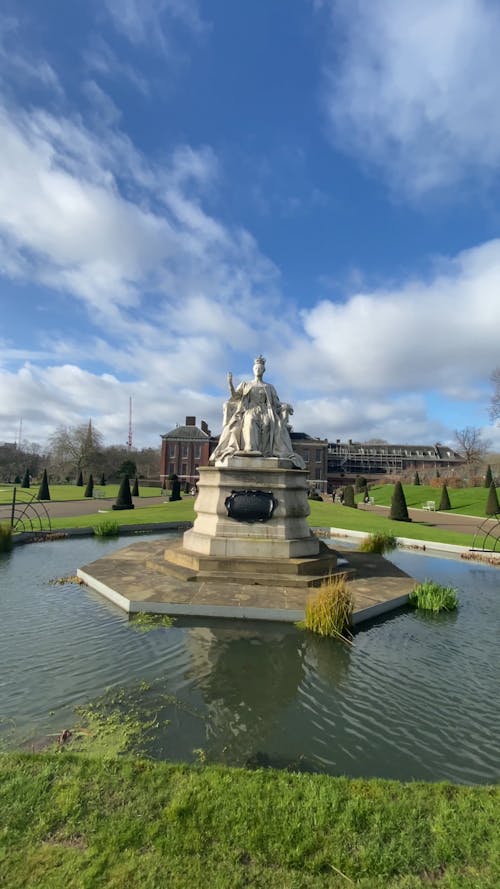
466,501
334,515
179,511
70,822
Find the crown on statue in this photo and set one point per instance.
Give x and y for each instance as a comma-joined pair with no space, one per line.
260,360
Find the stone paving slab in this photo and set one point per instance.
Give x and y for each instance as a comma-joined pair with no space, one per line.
128,578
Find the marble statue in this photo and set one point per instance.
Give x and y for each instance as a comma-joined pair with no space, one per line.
255,422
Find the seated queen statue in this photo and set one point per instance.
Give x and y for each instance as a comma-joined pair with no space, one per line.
255,422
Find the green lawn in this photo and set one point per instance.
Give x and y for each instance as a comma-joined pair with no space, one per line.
468,501
76,822
179,511
71,492
334,515
323,515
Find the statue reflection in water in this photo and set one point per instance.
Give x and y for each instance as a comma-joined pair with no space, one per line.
250,680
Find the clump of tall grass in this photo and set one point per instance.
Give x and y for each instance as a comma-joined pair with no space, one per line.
329,612
431,596
6,542
107,528
378,542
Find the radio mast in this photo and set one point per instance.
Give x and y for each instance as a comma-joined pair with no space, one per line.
129,439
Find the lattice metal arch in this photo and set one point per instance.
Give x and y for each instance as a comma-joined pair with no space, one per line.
487,536
24,512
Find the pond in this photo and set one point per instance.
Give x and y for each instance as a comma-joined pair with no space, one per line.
415,697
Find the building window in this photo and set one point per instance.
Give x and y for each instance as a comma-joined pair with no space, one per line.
318,456
172,451
184,451
171,469
318,474
306,456
197,452
184,469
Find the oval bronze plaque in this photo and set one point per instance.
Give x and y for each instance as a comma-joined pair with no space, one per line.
250,506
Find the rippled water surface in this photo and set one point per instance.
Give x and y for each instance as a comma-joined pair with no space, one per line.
416,696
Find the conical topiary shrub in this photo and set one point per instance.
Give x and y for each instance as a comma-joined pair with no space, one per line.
399,509
43,490
488,477
26,479
444,503
79,480
349,497
124,499
89,490
176,488
17,480
492,506
135,489
416,480
103,480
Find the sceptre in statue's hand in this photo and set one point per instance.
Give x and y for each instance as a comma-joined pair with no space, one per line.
230,384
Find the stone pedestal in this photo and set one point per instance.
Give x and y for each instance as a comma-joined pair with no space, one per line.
224,546
283,536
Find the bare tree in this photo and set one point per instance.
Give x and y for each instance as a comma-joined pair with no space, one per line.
74,449
495,398
470,444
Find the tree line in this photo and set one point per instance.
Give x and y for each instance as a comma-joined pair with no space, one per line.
75,450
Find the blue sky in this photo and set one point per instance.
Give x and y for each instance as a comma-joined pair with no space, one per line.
185,184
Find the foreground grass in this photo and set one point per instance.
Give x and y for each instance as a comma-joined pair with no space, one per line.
73,821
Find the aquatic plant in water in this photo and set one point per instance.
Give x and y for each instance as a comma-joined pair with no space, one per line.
108,528
378,542
431,596
329,612
143,622
5,538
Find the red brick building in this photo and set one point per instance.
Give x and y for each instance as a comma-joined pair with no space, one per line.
184,449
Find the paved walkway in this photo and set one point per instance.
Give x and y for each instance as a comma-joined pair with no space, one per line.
448,521
66,509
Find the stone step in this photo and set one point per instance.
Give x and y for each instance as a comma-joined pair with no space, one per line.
301,581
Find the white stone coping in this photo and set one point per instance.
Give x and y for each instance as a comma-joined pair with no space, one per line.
404,542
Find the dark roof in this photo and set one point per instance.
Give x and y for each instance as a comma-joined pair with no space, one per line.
187,433
303,436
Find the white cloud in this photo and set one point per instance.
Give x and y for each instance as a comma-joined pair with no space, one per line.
440,335
87,214
102,60
150,21
412,88
22,67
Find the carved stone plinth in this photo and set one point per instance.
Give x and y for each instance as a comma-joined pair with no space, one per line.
286,534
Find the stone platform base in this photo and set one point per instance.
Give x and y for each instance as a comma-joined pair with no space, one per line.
305,571
137,579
